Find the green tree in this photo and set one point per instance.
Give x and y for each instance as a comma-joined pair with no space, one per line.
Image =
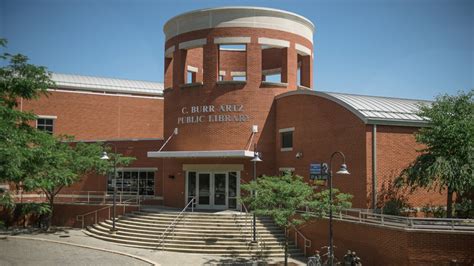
447,161
37,159
18,80
282,197
58,162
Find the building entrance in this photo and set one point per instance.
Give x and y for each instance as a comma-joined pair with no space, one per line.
213,189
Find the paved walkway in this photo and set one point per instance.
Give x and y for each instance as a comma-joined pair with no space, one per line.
16,251
157,257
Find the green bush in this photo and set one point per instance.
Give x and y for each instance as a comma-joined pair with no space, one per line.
465,209
394,206
434,211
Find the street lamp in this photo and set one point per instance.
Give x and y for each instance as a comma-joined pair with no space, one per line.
114,183
255,160
342,171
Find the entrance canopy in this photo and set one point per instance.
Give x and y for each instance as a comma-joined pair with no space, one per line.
202,154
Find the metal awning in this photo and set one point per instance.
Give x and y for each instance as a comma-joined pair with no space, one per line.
202,154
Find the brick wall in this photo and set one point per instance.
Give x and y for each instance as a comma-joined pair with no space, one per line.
396,149
321,128
137,149
92,116
385,246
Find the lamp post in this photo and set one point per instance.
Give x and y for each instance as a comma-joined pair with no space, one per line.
114,183
342,171
256,158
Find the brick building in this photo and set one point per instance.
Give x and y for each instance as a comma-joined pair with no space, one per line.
237,80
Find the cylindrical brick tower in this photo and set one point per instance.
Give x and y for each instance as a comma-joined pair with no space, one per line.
223,67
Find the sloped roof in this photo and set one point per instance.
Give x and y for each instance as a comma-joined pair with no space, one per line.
89,83
374,109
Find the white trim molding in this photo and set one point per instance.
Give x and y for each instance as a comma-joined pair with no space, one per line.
213,167
288,129
192,44
302,50
169,52
202,154
47,117
271,71
238,73
231,40
273,42
193,69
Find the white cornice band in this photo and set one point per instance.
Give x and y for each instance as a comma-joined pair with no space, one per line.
192,44
246,17
273,42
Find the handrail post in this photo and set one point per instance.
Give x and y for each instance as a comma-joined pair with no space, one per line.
95,217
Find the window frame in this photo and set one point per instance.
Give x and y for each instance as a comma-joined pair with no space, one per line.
282,132
46,117
120,180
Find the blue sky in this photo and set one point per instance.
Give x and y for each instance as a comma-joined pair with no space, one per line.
399,48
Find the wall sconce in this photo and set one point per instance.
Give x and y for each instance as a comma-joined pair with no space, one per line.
299,155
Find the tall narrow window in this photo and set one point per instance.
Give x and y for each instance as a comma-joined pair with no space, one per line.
45,124
286,136
272,64
233,59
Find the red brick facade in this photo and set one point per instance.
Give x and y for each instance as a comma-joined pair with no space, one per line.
101,116
386,246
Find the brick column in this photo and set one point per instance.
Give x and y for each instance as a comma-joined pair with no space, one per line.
179,67
306,71
254,63
168,72
210,63
289,66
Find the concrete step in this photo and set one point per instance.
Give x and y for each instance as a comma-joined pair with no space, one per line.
198,238
192,224
249,250
169,219
191,243
201,215
190,233
226,233
192,229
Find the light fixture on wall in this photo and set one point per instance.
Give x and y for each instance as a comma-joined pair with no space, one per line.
299,155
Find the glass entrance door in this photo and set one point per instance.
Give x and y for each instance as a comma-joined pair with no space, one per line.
213,190
204,190
220,190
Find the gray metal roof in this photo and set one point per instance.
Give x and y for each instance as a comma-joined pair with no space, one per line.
375,109
89,83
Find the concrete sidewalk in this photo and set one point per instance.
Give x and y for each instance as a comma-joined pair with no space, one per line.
157,257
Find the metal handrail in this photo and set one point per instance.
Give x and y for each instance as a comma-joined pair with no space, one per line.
307,242
81,217
77,196
250,231
408,223
175,221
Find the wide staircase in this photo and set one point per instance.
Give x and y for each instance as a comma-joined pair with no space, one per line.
226,233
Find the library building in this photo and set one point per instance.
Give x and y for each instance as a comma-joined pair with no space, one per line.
238,96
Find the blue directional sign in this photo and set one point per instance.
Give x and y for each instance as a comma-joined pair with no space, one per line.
317,171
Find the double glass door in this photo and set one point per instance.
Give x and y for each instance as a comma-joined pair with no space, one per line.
213,190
